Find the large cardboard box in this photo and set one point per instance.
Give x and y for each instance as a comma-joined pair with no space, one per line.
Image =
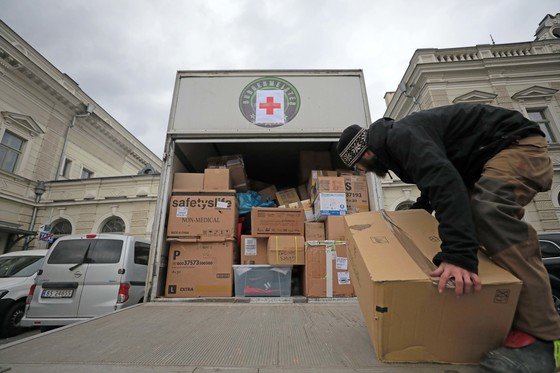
313,177
200,215
253,250
334,228
236,167
187,182
268,221
407,319
326,272
217,179
200,269
287,196
286,250
314,231
357,199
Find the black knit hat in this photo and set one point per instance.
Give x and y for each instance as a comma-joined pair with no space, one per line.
352,144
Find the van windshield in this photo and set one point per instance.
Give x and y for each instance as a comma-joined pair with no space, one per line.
19,266
73,251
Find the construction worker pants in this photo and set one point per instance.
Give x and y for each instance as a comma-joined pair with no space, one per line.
509,182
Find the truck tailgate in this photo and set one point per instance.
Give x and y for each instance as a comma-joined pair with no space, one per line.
318,336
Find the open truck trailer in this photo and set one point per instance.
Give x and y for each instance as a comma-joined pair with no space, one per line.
211,115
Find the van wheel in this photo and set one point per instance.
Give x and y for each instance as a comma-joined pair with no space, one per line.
10,324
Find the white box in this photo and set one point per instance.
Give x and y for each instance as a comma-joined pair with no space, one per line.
329,204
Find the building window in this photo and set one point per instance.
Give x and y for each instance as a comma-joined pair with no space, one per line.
113,225
61,227
66,168
11,148
86,174
539,116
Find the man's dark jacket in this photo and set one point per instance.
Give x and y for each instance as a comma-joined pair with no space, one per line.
443,151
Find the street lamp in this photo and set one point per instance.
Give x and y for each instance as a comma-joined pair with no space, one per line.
39,190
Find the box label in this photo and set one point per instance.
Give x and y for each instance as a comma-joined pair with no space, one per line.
341,263
222,205
182,212
250,246
343,278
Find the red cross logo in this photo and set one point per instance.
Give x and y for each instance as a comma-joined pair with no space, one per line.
270,105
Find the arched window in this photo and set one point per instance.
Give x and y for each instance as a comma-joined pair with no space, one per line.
113,225
61,227
404,205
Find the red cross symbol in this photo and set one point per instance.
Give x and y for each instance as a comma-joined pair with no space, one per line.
269,106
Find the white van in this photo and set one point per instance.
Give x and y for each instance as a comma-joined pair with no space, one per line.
84,276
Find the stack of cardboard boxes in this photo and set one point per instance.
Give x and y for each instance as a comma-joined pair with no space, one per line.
301,240
201,233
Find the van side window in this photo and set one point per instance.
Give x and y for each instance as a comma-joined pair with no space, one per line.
141,253
69,252
106,251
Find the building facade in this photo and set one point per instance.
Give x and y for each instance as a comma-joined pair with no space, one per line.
520,76
66,166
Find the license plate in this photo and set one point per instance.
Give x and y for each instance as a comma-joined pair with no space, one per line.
57,293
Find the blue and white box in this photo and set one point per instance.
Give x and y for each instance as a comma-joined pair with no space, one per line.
329,204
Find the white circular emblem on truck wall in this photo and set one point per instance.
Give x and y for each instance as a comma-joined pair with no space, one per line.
269,102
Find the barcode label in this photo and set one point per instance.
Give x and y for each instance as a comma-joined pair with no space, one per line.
250,246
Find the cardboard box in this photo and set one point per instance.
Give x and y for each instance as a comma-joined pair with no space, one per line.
357,199
313,160
329,204
253,250
286,250
269,221
268,193
199,215
287,196
334,228
390,257
302,192
314,231
236,167
187,182
200,269
326,272
262,281
305,205
314,175
216,179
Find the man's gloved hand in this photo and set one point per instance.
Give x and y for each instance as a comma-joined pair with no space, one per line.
464,280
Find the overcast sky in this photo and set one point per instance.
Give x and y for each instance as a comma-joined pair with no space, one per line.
125,54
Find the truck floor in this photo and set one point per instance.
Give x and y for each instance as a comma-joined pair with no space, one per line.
233,337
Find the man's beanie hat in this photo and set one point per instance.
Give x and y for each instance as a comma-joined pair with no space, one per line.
352,144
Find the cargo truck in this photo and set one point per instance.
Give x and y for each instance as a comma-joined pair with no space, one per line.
214,113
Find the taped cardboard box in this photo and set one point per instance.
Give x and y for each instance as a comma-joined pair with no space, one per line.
199,269
357,199
217,179
268,221
187,182
314,231
305,205
286,250
407,319
287,196
254,250
236,167
199,215
314,175
334,228
326,273
329,204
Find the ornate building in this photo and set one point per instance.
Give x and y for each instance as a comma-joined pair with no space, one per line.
520,76
66,166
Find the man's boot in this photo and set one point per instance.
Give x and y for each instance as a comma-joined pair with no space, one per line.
521,353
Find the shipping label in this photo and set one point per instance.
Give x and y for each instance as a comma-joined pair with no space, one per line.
250,246
343,278
341,263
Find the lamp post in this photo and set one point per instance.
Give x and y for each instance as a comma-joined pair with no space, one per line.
40,189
